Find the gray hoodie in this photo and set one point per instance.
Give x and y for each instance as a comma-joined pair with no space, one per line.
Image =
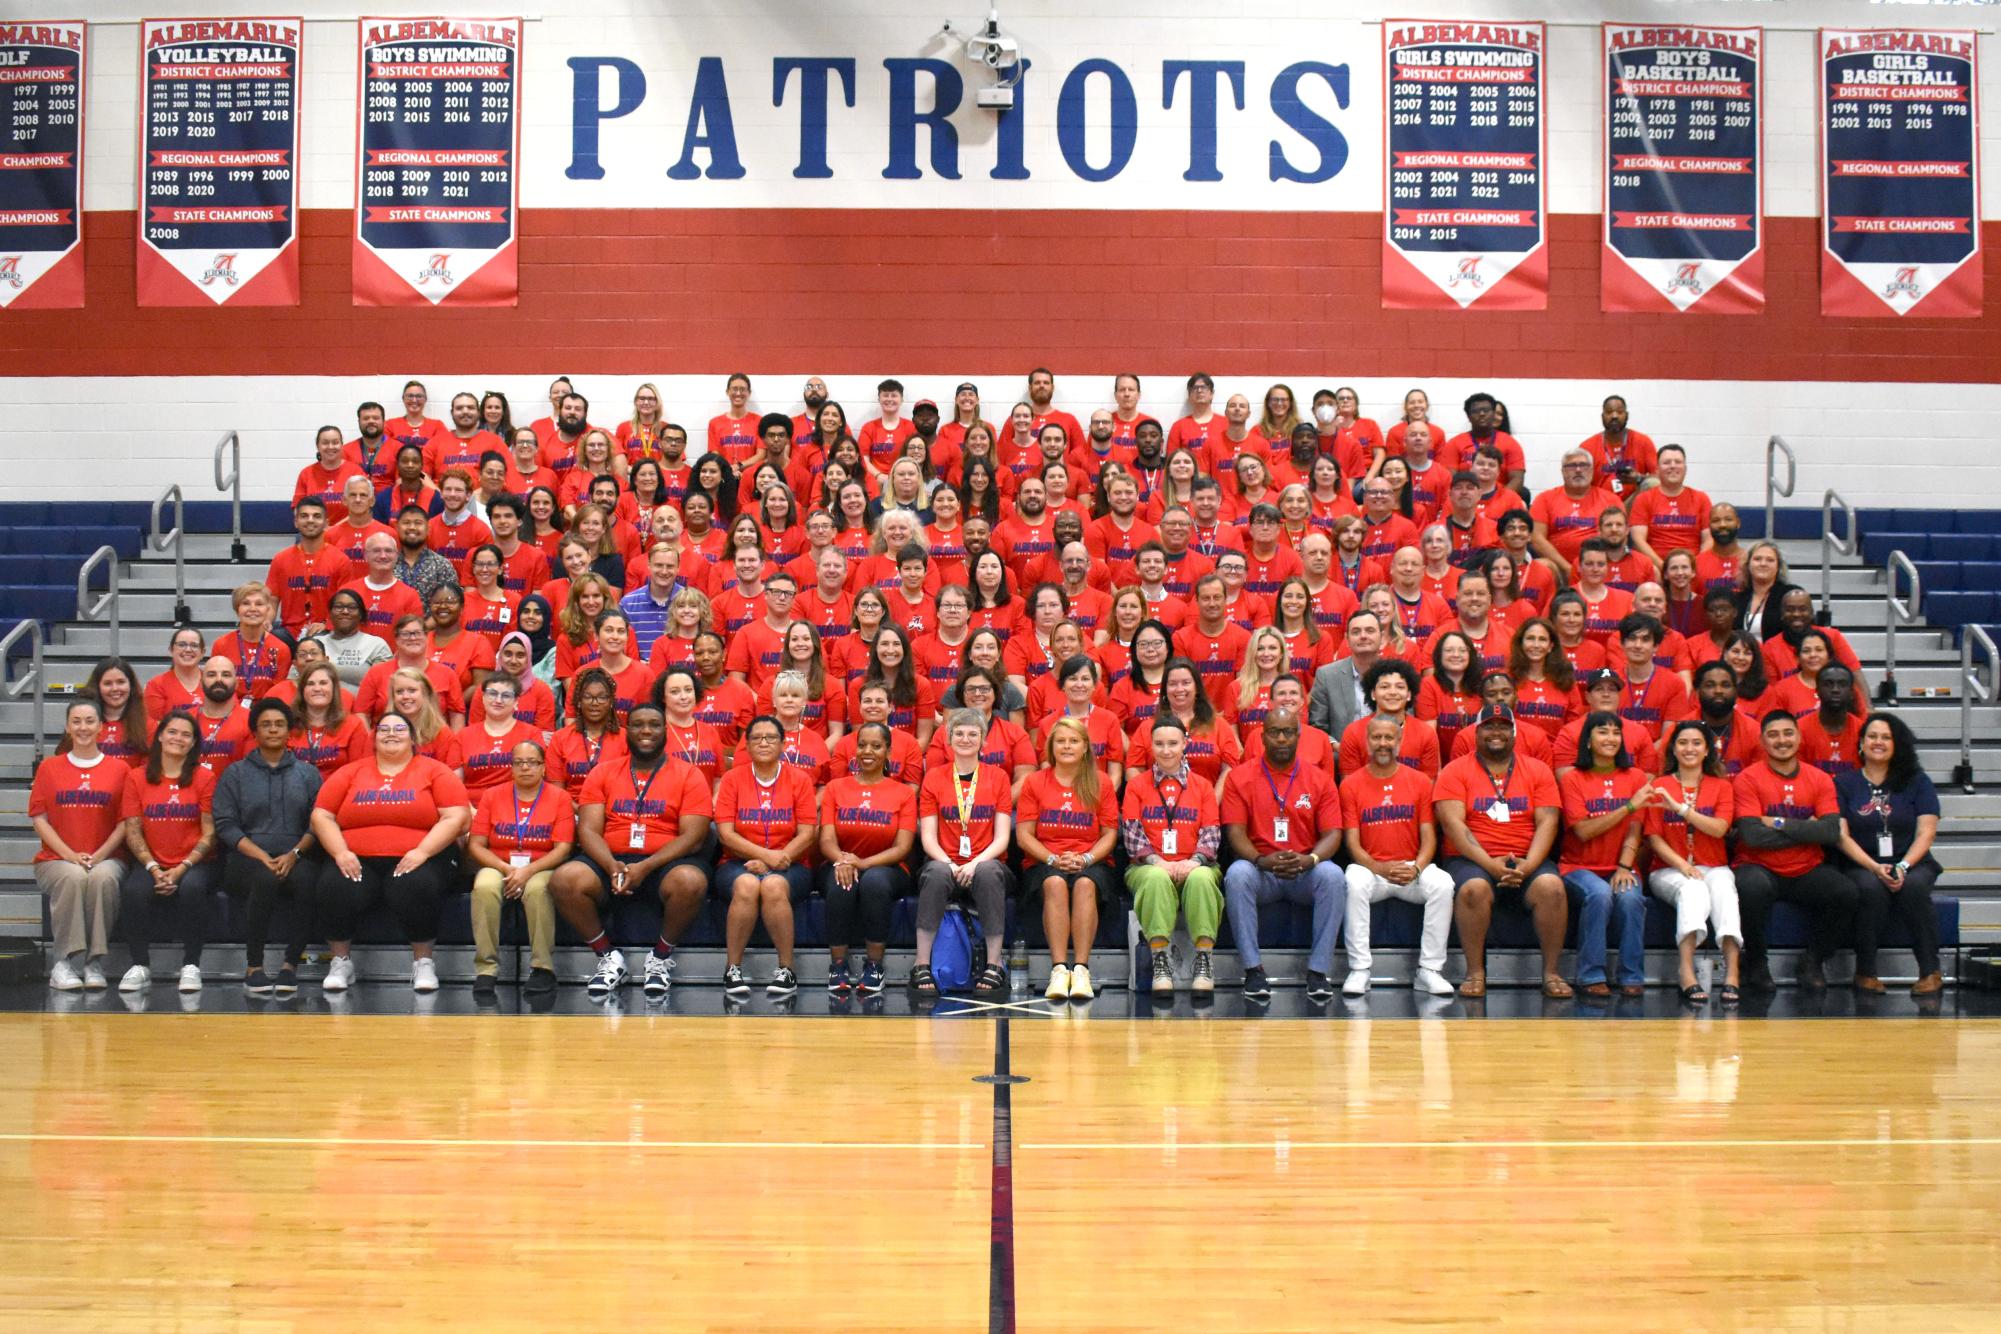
270,805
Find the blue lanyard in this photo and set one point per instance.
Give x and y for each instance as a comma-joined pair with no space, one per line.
521,818
1291,777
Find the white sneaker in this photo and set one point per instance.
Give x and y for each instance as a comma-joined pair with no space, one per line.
340,975
1431,983
610,975
137,978
190,977
1357,983
424,975
659,977
1080,983
93,976
1059,983
63,977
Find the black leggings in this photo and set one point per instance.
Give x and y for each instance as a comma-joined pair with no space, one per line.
259,892
414,898
1912,905
140,911
873,895
1824,894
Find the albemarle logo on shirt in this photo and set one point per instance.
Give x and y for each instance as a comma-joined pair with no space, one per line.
1303,802
1906,282
439,268
1687,277
10,270
1468,272
222,269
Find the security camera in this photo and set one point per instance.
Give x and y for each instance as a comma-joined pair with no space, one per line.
993,48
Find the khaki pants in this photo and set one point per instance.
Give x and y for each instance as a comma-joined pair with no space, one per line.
83,905
536,905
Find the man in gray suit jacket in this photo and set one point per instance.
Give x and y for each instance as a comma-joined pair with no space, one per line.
1337,687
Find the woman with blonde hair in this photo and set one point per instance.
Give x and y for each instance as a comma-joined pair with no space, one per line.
689,613
412,695
1266,658
576,624
1067,821
1281,414
597,457
638,436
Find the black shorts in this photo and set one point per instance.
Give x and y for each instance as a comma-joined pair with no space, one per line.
1463,869
650,885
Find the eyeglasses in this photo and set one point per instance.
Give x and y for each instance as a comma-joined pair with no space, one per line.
392,729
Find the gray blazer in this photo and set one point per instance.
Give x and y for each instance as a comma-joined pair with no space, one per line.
1336,699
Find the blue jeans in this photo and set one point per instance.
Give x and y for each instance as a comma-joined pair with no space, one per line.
1246,888
1600,902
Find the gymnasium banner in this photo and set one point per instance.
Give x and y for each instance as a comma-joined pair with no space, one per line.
1465,193
41,164
1684,174
436,187
219,162
1900,193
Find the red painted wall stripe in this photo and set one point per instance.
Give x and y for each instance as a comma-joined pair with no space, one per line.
637,292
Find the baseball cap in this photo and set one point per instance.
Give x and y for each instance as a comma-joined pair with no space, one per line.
1495,713
1604,676
924,403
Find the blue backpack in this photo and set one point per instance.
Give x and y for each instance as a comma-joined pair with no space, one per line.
952,953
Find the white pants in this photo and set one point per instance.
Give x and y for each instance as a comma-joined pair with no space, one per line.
1432,888
1699,900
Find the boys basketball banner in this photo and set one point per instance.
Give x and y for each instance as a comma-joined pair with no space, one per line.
219,162
437,189
1684,170
41,164
1900,199
1465,191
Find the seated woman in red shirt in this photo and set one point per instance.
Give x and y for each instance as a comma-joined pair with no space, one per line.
412,695
1081,699
868,826
179,687
767,819
262,658
1044,695
1068,821
75,803
1212,743
324,734
631,677
115,687
576,749
689,616
577,625
678,692
534,702
169,834
913,705
489,607
522,831
826,703
388,825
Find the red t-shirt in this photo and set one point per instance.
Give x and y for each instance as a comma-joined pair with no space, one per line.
259,665
1527,786
1530,741
1305,797
388,815
1062,821
1457,452
385,606
224,740
1655,702
767,816
1541,704
939,798
1713,796
327,484
653,805
1806,795
735,438
882,443
1218,657
511,825
572,757
489,760
1449,711
1170,805
84,804
1587,796
352,539
1382,540
1639,743
906,761
1386,813
867,817
456,541
303,585
727,706
169,812
1833,753
1418,750
331,750
372,698
1209,752
1570,519
701,745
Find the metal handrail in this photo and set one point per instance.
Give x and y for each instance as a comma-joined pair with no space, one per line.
1972,686
106,607
161,541
1773,448
36,677
1896,612
1832,546
234,485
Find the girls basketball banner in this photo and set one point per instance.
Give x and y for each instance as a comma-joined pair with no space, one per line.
437,190
1465,194
219,162
1900,199
1684,170
41,164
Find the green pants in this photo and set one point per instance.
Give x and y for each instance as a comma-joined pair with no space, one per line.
1157,901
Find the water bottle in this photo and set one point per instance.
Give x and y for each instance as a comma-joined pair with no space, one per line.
1017,968
1705,972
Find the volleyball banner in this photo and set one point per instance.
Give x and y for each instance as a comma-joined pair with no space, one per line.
1900,156
437,187
1683,175
41,164
1465,198
219,162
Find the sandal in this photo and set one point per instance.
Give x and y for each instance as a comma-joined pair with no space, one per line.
1555,988
1693,994
1474,987
992,978
1729,994
921,980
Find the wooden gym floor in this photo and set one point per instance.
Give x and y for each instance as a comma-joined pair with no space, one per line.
329,1172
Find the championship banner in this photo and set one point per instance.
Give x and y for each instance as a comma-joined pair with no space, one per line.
1900,147
219,162
1465,200
41,164
1684,170
436,186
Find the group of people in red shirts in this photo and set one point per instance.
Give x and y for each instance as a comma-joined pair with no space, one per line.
1250,656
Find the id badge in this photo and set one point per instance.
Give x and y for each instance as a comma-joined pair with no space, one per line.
1499,812
1281,829
1883,845
1170,842
518,859
965,845
638,840
505,615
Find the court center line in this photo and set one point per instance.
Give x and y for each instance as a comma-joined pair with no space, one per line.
1272,1145
1000,1238
411,1142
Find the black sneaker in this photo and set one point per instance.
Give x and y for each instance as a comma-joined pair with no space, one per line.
541,981
872,979
736,982
839,981
484,985
1257,987
1319,986
288,980
257,982
784,982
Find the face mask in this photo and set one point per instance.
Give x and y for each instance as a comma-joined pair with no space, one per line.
1324,414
